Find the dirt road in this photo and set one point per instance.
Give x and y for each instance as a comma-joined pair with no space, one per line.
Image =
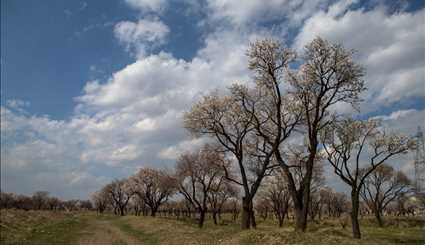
104,232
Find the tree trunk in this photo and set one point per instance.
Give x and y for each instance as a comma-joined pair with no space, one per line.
281,219
252,214
201,218
214,215
246,213
281,216
301,200
300,219
235,215
379,218
153,211
355,214
301,210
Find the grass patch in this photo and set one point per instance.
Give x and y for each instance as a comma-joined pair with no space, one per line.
171,231
123,224
162,230
40,227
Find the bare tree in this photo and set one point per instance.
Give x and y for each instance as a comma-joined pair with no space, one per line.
101,199
220,192
138,205
70,205
276,190
39,199
7,200
355,149
53,203
250,123
85,205
297,157
153,186
223,118
327,77
197,174
232,206
336,203
316,203
23,202
382,187
120,193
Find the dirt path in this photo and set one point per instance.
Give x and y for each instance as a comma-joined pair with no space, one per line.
105,233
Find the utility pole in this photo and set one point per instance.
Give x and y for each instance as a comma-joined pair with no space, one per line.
420,163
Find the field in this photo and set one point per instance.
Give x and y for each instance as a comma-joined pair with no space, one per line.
44,227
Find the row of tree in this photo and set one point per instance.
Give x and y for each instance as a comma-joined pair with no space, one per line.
41,200
201,184
281,128
256,125
199,178
286,121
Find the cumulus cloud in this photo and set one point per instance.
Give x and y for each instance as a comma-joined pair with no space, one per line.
173,152
252,11
131,120
17,104
134,118
146,6
404,121
39,153
141,36
390,46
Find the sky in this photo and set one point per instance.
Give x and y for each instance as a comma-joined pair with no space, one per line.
94,90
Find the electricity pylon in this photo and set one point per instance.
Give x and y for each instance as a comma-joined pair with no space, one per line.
420,163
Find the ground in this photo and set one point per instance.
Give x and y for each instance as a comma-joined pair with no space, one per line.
43,227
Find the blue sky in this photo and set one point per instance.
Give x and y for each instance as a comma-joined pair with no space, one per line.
92,90
57,42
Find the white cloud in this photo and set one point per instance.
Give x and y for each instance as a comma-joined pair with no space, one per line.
400,114
390,46
141,36
146,124
39,153
405,121
146,6
134,118
253,11
173,152
17,104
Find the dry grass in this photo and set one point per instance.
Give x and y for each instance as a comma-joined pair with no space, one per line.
20,227
103,232
170,231
39,227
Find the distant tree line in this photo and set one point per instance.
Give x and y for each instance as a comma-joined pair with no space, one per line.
41,200
198,187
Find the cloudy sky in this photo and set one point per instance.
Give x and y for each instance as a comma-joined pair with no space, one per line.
93,90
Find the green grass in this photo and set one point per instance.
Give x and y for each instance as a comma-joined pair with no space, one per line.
62,232
19,227
31,227
162,230
122,223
